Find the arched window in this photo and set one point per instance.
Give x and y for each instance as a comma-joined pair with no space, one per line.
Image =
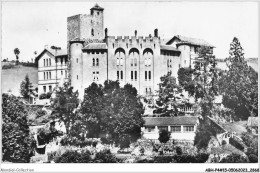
97,62
92,32
93,62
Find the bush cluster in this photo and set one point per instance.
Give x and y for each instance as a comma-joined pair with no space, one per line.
84,156
45,95
199,158
73,141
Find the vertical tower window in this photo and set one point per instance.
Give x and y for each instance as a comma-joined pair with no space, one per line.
47,75
94,76
77,60
145,76
132,75
44,89
50,75
61,61
135,75
121,75
61,72
150,75
97,75
97,62
92,32
50,61
44,75
93,62
77,76
117,75
44,62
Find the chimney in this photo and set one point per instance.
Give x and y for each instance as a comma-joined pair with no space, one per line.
105,32
156,32
135,33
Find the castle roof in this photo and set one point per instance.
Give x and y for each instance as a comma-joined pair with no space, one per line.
165,121
168,47
97,7
95,46
189,40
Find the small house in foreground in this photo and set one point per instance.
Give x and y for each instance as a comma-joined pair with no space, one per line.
182,128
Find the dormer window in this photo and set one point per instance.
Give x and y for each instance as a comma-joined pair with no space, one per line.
91,12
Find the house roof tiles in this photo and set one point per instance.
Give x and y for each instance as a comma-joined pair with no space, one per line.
190,40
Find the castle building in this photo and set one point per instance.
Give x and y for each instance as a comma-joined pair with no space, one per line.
94,56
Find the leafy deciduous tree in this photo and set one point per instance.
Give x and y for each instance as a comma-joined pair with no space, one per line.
17,143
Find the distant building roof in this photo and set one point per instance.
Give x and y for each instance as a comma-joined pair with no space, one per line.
97,7
252,122
165,121
59,52
189,40
94,46
168,47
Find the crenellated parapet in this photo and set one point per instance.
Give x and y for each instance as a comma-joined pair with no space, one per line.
127,42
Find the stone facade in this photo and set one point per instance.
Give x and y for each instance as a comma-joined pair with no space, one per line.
93,56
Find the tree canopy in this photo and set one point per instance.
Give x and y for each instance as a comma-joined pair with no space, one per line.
25,87
64,105
112,110
17,144
239,84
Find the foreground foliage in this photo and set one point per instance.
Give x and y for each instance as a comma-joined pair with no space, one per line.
17,144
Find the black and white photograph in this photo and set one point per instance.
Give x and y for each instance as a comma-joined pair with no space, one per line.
126,86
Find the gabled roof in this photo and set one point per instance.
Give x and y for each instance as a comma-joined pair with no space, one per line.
168,47
59,52
189,40
97,7
252,122
95,46
165,121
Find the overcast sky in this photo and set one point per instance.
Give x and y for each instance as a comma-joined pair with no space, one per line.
31,25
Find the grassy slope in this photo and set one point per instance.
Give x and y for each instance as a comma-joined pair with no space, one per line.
12,78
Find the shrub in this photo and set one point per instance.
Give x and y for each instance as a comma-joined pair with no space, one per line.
253,158
7,66
105,156
164,136
234,158
178,150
